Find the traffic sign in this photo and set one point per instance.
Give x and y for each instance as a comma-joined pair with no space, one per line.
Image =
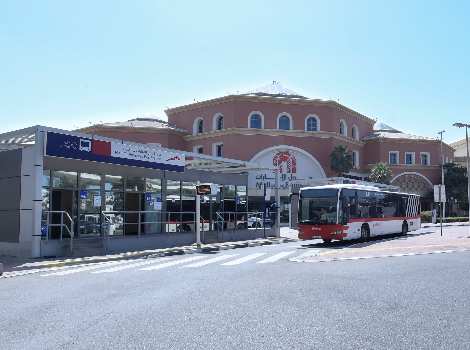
439,193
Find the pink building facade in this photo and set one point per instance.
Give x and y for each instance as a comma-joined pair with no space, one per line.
275,127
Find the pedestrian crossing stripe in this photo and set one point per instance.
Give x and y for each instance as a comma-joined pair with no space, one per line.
243,259
131,265
211,261
173,263
79,268
275,257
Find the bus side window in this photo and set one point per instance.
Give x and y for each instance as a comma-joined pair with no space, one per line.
349,204
363,204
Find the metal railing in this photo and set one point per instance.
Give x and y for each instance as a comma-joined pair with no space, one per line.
230,220
118,223
60,219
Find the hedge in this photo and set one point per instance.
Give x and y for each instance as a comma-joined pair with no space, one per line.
426,216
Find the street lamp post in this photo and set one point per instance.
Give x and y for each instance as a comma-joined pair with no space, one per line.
466,126
443,213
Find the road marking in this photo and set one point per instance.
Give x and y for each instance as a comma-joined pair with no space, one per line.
129,266
87,268
243,259
211,261
276,257
366,257
173,263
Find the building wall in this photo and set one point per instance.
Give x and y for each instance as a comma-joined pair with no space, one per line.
236,114
10,189
245,147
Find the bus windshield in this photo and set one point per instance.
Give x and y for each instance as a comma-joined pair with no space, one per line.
318,206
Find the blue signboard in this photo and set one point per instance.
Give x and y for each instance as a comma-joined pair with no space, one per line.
148,197
130,154
83,194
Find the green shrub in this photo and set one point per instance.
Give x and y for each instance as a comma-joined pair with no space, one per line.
456,219
426,216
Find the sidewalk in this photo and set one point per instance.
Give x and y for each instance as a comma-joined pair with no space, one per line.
11,263
445,224
412,244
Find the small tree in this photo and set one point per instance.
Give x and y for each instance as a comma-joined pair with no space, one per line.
341,160
456,183
381,173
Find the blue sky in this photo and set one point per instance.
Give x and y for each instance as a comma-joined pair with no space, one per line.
68,63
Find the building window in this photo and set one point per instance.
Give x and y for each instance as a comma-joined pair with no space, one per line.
312,123
355,132
284,122
425,158
409,158
198,126
355,159
219,149
256,120
343,129
218,122
393,158
198,149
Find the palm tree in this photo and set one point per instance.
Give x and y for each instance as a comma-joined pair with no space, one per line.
381,173
341,160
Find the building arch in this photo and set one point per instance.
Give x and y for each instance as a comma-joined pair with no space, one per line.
343,128
252,116
268,150
218,121
412,182
198,126
308,123
355,132
280,119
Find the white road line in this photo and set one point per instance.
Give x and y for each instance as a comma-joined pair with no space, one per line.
129,266
211,261
173,263
87,268
385,256
243,259
276,257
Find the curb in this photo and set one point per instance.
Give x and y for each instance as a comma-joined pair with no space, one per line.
205,249
445,225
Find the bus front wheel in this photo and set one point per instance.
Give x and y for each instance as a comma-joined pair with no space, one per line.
365,233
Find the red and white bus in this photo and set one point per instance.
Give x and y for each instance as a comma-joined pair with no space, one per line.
348,211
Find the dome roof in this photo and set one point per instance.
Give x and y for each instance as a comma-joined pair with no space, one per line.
380,126
275,89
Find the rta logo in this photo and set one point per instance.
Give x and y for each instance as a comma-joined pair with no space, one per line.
85,145
286,162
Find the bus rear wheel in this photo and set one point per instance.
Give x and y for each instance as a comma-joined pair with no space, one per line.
404,228
365,233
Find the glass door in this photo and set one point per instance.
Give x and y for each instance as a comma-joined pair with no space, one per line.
90,205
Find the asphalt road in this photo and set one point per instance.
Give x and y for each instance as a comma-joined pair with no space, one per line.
412,302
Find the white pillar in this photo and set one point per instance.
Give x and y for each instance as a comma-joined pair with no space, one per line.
278,204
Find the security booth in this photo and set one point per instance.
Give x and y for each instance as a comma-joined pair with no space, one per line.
67,193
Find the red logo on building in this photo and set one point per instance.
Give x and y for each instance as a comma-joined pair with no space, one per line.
285,162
